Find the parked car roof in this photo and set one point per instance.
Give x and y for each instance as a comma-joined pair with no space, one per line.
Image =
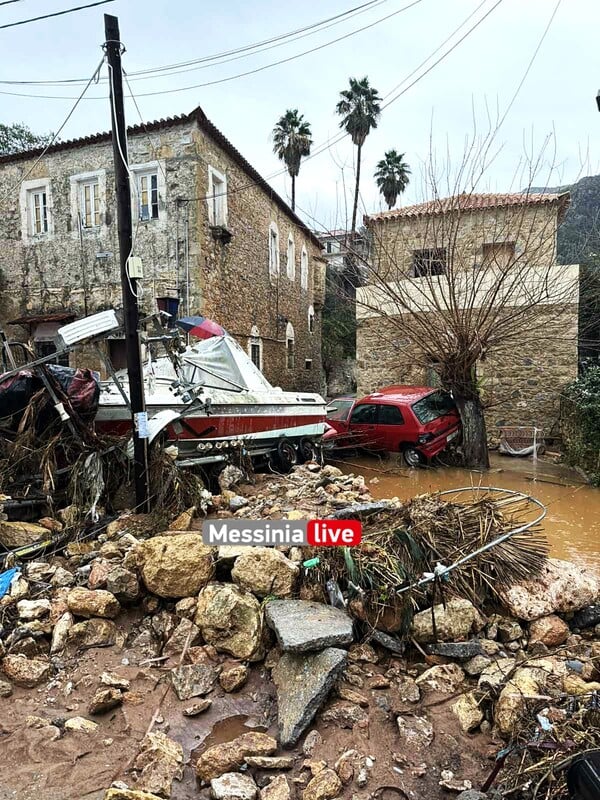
399,392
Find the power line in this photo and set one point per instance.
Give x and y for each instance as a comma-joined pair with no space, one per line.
55,14
315,27
241,74
8,2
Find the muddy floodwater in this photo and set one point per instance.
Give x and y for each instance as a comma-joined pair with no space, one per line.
572,524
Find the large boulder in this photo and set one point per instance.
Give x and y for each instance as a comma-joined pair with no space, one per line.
158,762
303,682
229,756
561,587
92,603
95,632
524,686
265,571
20,534
27,672
467,711
324,786
454,623
551,631
303,625
175,566
230,620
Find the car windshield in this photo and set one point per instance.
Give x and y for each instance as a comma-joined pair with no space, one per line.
339,409
433,406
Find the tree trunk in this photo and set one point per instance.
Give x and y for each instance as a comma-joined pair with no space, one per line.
357,187
474,431
293,193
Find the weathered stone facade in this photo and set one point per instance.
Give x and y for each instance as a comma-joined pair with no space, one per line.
522,378
212,243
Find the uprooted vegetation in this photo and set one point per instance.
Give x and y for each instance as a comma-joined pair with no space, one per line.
133,653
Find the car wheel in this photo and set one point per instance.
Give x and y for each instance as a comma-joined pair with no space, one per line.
412,457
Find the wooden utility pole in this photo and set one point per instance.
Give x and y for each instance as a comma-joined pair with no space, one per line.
128,284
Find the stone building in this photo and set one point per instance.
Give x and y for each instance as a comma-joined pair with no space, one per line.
208,229
454,256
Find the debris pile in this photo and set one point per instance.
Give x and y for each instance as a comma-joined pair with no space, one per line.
158,667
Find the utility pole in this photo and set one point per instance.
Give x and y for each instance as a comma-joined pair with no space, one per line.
139,419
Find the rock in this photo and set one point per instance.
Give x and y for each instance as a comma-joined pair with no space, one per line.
344,714
129,794
80,725
5,689
105,699
453,623
476,665
390,643
197,708
277,789
93,632
176,566
362,652
158,763
233,786
186,608
230,620
551,631
60,633
407,689
325,785
230,477
508,629
353,696
270,762
498,672
312,741
26,672
237,502
561,587
185,634
184,521
512,702
576,685
233,679
227,553
460,651
114,680
588,617
20,534
228,756
444,678
98,574
472,794
303,682
415,732
62,577
265,571
33,609
303,625
467,711
193,680
89,603
123,583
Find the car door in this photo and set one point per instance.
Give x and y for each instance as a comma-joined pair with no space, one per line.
363,426
391,427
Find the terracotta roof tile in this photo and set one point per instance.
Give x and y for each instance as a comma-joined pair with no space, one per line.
470,202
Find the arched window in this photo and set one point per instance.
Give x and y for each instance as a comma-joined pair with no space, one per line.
311,319
273,249
304,269
291,258
255,347
290,346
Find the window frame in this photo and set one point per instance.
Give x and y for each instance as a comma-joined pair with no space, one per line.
255,340
291,257
358,408
94,199
148,174
43,217
273,253
78,183
427,266
218,211
29,190
304,268
381,406
290,347
311,319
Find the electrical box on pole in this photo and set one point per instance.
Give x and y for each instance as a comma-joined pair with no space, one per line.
113,49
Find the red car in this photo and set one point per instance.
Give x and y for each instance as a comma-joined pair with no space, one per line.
417,421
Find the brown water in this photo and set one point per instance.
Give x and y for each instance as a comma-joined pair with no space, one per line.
572,523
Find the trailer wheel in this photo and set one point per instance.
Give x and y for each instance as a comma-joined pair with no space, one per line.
286,455
308,450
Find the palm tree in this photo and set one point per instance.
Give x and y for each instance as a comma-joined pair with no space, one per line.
391,176
360,109
292,139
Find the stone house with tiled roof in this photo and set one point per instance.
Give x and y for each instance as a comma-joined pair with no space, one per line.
209,229
431,252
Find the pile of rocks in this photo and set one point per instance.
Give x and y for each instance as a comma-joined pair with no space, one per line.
206,617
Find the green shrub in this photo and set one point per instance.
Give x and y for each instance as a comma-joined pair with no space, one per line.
581,423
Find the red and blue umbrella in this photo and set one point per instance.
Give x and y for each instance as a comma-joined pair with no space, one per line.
201,327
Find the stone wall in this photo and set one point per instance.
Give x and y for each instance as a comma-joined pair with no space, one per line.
521,383
72,270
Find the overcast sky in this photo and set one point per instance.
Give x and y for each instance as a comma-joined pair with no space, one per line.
555,107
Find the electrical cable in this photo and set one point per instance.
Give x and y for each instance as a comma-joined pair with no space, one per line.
56,14
314,27
241,74
55,135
